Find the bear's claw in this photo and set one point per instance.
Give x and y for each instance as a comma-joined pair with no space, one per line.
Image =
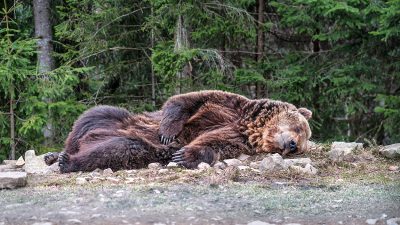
178,157
63,160
167,140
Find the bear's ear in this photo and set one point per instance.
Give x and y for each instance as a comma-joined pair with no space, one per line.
305,112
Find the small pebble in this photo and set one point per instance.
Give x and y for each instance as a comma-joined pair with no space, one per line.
172,165
107,172
203,166
393,168
81,180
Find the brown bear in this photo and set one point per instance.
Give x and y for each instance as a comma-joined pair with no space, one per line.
204,126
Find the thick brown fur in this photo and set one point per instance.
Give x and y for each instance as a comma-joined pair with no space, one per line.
190,128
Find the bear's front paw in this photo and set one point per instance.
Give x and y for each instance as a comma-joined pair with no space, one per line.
184,157
191,157
50,158
63,162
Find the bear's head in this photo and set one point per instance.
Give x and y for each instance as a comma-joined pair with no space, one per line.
286,132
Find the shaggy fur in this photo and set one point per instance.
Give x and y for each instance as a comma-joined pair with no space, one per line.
190,128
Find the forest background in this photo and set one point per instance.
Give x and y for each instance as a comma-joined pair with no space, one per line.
341,59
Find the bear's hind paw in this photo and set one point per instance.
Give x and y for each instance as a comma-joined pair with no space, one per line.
63,161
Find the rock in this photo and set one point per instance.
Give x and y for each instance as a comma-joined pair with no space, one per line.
393,168
233,162
255,165
42,223
371,221
20,162
299,161
10,162
219,165
272,163
243,167
203,166
7,168
33,163
393,221
54,168
391,151
154,166
341,149
163,171
172,165
243,157
308,169
81,180
257,222
95,173
12,180
74,221
108,172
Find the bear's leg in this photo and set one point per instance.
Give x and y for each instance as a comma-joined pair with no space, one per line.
210,147
116,153
50,158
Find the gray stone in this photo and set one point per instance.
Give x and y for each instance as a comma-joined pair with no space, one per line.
81,180
257,222
393,221
203,166
341,149
33,163
233,162
163,171
11,180
7,168
308,169
154,166
255,165
107,172
54,168
371,221
243,157
391,151
10,162
172,165
298,161
20,162
272,163
219,165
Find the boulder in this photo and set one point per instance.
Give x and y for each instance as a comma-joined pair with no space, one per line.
33,163
219,165
308,169
233,162
273,163
11,180
20,162
299,161
243,157
391,151
339,150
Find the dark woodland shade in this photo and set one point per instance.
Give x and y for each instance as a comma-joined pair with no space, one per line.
195,127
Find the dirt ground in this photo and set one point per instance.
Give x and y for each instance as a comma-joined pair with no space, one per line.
350,192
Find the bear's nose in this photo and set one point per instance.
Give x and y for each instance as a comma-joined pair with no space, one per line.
292,146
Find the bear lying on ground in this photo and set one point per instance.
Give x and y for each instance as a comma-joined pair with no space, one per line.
204,126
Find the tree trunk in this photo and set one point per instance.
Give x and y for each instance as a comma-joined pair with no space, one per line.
12,122
43,32
260,39
153,77
41,11
181,43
